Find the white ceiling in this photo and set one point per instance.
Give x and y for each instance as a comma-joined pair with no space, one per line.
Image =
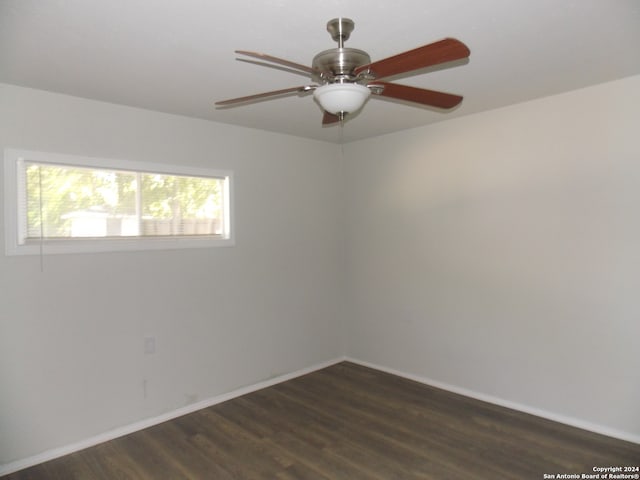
177,56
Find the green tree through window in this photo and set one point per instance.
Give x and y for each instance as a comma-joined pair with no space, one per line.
68,201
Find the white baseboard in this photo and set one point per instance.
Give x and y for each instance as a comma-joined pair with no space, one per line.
574,422
149,422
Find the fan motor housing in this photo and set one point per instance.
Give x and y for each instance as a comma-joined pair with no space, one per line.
338,64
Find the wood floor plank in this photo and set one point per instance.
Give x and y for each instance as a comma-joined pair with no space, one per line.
345,422
390,431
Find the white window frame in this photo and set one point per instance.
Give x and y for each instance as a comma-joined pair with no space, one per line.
13,223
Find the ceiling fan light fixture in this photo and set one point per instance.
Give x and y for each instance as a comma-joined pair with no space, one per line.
341,75
337,98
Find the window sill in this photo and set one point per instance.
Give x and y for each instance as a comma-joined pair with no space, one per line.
100,245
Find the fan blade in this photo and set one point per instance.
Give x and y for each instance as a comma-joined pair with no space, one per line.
274,93
417,95
273,66
330,118
443,51
279,61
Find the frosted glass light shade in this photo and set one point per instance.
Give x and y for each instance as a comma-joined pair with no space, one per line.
341,97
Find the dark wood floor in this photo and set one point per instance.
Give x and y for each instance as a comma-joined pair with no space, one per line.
345,422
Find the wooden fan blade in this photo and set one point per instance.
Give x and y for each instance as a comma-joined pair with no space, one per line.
418,95
329,118
258,96
279,61
442,51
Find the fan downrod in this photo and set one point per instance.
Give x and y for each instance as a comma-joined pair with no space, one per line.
338,64
340,29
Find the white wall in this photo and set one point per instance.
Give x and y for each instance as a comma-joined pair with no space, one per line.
500,253
71,337
497,253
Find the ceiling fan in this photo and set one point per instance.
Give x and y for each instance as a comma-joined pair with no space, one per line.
346,77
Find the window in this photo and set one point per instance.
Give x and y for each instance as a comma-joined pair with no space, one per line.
63,204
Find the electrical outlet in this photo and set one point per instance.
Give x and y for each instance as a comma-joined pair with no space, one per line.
149,345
